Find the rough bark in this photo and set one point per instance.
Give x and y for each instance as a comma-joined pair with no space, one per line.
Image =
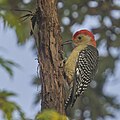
49,45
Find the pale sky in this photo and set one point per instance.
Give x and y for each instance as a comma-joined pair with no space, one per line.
22,79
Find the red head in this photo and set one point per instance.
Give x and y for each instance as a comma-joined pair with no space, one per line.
82,35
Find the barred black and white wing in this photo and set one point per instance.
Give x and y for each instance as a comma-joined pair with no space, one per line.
85,71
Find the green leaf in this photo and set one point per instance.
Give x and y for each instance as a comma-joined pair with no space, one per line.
4,94
8,107
3,2
21,28
7,65
50,115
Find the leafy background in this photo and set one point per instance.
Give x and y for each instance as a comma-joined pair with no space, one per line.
102,17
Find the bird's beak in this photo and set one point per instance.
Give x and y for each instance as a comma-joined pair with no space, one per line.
67,42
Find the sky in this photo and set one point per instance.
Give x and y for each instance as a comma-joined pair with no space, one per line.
22,79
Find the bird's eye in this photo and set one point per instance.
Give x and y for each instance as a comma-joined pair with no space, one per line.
79,37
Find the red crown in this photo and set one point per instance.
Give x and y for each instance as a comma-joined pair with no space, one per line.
85,32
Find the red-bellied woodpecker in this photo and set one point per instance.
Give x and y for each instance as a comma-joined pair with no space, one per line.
81,65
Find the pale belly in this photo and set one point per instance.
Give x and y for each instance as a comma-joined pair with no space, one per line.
71,62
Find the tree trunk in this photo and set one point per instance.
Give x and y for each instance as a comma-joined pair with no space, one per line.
49,45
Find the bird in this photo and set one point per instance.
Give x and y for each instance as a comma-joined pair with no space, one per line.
81,65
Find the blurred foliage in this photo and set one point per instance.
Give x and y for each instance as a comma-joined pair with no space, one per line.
9,11
104,22
8,108
36,82
102,17
7,65
50,115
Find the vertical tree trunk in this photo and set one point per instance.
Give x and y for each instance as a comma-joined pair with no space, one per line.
49,57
